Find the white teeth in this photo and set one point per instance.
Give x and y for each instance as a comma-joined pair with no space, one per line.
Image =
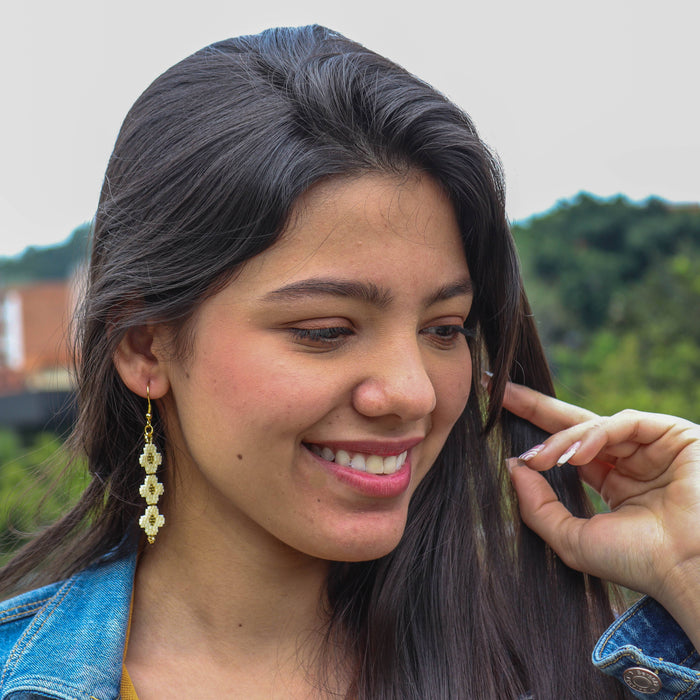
372,464
342,458
358,462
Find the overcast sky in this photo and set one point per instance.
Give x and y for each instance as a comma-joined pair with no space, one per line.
601,96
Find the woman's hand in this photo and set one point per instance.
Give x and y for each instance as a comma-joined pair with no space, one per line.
646,467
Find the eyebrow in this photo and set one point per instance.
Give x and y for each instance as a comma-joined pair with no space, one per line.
462,288
366,292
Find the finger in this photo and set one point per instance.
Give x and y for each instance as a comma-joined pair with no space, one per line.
577,445
595,473
611,486
642,428
640,444
620,437
543,513
544,411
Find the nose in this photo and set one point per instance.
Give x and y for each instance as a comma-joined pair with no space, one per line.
395,382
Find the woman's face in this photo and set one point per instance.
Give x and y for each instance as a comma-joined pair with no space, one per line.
333,356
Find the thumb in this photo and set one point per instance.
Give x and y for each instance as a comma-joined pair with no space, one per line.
543,513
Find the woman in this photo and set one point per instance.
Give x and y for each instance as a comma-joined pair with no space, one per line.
300,267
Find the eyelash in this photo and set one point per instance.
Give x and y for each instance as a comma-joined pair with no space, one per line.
323,336
448,339
444,336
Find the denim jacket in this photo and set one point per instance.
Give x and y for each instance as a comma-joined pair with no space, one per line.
646,647
66,641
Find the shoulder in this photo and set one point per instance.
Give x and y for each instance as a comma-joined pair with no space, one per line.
17,613
83,607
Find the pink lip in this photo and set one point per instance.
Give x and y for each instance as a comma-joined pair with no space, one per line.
371,485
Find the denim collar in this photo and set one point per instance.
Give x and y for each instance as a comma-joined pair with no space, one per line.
73,647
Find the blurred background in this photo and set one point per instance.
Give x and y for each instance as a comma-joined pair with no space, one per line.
592,108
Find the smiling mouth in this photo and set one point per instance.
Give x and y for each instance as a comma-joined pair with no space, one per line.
361,462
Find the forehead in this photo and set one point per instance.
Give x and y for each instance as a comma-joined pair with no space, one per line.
368,222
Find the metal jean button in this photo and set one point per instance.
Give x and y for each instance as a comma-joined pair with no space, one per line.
642,680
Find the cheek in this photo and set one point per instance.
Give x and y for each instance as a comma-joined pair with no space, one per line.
266,391
452,388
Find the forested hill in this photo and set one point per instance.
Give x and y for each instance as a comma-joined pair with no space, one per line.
615,287
50,263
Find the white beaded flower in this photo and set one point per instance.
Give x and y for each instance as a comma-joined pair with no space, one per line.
150,458
150,521
151,489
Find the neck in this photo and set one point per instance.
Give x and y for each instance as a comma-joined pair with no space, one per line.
230,595
245,585
220,602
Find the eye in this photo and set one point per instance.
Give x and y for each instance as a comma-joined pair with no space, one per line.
327,337
446,336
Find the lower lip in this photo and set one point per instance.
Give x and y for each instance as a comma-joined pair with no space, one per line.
373,485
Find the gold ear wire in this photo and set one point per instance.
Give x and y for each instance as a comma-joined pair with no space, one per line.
151,489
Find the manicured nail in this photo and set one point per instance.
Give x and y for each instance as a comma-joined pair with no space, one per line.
569,453
525,456
486,378
512,462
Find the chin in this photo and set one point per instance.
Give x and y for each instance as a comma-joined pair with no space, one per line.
367,555
373,544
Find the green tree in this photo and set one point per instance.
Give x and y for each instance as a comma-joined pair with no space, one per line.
38,484
616,291
49,263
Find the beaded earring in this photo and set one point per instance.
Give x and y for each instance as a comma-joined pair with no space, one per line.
151,489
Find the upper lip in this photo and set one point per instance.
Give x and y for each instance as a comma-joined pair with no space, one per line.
383,448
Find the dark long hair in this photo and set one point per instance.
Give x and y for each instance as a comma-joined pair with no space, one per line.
206,169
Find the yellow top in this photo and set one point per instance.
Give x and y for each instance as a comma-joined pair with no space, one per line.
126,689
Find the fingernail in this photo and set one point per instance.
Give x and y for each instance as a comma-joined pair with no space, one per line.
569,453
512,462
486,378
525,456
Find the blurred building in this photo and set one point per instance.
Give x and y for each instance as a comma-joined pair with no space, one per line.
35,378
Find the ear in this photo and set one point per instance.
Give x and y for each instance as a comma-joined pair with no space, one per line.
140,362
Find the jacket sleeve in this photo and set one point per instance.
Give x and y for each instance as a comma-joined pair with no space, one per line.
648,651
